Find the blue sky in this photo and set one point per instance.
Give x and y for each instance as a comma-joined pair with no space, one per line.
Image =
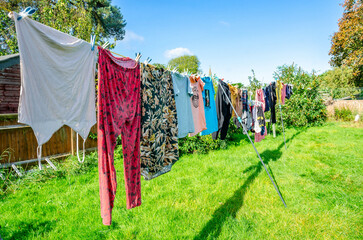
232,37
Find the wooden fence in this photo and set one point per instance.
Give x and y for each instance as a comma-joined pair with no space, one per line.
9,89
18,141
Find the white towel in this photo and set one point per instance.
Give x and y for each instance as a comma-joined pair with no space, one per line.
57,80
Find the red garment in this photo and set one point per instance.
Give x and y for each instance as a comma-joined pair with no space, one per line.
119,112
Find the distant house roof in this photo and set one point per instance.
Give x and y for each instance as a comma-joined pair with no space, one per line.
9,60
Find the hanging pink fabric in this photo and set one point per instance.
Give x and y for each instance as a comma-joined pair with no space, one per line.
283,94
119,112
260,97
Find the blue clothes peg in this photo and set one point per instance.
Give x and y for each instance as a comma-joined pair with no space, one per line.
26,12
93,39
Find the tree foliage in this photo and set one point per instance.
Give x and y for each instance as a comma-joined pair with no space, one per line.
339,82
254,84
186,62
80,18
347,43
159,65
305,107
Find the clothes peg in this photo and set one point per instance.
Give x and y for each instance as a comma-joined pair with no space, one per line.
26,12
147,61
105,45
93,39
138,56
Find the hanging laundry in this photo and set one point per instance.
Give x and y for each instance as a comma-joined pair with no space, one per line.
246,114
57,80
278,91
183,93
247,120
245,100
239,108
253,116
261,124
159,124
256,125
260,116
209,107
260,97
119,112
197,105
266,94
272,101
234,96
283,93
224,110
288,91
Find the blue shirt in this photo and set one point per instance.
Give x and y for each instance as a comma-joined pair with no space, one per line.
183,92
209,107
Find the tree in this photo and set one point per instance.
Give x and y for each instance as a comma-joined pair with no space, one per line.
80,18
159,65
186,62
347,43
254,84
339,82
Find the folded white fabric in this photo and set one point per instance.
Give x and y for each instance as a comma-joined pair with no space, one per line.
57,80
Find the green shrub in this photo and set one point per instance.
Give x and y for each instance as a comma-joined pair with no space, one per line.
344,114
339,82
203,144
305,107
198,144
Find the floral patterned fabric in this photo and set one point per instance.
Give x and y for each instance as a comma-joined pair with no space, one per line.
159,140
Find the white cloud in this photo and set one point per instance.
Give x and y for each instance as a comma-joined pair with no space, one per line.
130,36
224,23
177,52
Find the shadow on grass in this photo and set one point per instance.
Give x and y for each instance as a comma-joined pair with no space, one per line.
28,230
230,208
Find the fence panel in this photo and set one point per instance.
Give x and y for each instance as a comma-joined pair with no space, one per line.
20,142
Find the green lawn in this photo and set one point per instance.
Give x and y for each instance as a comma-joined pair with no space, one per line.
225,194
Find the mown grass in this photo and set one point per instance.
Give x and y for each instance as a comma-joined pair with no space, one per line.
224,194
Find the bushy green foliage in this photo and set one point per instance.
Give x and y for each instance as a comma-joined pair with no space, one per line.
159,65
198,144
305,107
339,82
203,144
344,114
186,62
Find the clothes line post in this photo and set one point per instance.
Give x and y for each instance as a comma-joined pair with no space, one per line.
253,145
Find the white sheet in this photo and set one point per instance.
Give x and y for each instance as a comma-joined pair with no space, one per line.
57,80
